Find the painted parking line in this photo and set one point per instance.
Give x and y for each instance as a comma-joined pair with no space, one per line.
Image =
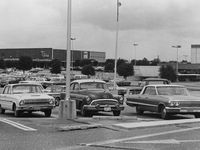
101,143
17,125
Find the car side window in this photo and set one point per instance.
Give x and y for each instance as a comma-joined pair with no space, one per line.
5,90
76,86
150,91
72,86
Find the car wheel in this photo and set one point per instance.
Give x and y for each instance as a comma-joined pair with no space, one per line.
163,113
116,112
17,113
85,113
2,111
47,113
197,115
57,101
139,111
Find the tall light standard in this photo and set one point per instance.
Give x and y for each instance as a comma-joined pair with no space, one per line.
177,47
135,44
116,43
72,56
67,108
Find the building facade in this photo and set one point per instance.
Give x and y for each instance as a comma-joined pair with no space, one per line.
47,54
195,53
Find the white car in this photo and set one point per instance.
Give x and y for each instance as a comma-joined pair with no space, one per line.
26,97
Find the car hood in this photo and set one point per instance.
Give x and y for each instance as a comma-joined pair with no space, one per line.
32,96
97,94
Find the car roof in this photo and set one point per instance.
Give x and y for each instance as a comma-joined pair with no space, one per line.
25,84
155,79
88,80
165,85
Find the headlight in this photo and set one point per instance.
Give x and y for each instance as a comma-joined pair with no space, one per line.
174,103
88,100
121,100
21,102
51,101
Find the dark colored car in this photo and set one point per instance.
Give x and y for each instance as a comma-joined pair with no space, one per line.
166,100
92,95
147,81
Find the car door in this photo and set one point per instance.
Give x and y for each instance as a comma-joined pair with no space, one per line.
148,98
6,100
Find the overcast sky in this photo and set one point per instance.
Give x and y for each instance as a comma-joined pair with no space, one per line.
155,25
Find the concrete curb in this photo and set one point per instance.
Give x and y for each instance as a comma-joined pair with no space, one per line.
79,127
115,117
145,124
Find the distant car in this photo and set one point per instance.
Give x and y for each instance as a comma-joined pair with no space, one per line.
166,100
25,97
92,95
147,81
120,90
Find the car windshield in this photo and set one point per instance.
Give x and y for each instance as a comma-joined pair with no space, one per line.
93,85
27,89
172,90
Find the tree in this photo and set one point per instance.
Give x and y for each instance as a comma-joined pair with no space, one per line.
125,70
88,70
168,72
2,64
55,66
25,63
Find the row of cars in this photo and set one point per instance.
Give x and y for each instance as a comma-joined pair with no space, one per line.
93,95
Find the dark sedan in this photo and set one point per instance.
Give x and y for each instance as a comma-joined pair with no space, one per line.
92,95
166,100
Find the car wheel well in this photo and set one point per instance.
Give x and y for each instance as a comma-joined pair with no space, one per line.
13,106
160,106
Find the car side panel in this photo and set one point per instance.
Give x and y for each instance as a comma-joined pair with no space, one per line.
6,101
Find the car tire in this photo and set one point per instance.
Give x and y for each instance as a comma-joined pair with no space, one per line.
2,111
17,113
197,115
47,113
139,111
116,112
57,101
163,113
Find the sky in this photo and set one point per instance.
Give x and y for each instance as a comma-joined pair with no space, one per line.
155,25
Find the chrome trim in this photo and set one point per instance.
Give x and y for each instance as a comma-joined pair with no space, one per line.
136,103
104,100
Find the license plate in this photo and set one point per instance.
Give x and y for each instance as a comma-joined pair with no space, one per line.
107,109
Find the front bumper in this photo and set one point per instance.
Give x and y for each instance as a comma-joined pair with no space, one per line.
106,108
183,110
34,108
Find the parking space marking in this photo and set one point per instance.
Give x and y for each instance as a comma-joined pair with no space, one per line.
17,125
139,137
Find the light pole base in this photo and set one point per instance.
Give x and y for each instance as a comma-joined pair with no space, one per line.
67,109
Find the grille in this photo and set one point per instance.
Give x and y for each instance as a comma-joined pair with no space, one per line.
189,104
104,102
37,101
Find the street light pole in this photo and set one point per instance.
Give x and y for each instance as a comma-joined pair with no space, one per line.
177,47
67,108
135,44
116,43
72,56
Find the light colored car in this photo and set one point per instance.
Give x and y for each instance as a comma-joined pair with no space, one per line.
25,97
120,90
166,100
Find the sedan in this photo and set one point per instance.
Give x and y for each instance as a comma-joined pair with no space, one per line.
166,100
92,95
25,97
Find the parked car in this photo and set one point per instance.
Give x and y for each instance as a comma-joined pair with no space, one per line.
92,95
120,90
166,100
25,97
147,81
